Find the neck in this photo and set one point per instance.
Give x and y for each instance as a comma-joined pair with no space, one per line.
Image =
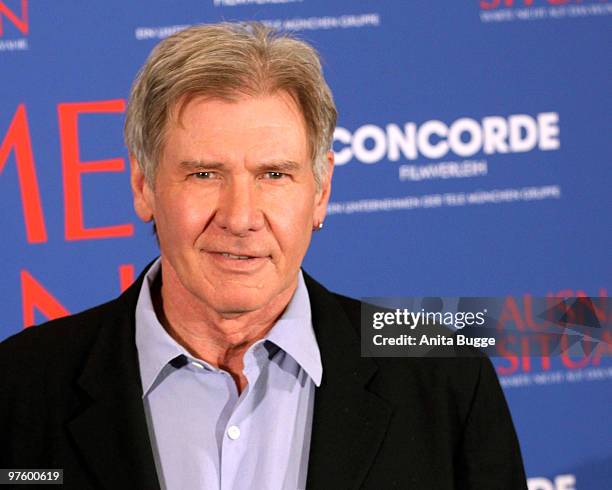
217,338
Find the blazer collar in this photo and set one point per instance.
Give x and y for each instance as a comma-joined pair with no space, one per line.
349,422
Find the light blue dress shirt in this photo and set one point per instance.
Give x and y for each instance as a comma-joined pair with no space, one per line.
207,436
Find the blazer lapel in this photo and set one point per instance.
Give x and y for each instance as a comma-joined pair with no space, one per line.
349,422
111,430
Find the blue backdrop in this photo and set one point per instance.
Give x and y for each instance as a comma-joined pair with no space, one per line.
474,159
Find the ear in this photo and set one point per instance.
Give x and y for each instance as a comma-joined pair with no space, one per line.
322,197
143,195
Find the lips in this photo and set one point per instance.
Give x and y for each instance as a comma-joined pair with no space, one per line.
238,254
237,257
239,263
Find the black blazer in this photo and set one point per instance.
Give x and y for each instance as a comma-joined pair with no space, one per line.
70,397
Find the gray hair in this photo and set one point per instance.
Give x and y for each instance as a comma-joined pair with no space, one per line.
226,61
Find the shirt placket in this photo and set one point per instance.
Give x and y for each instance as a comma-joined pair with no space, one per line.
237,430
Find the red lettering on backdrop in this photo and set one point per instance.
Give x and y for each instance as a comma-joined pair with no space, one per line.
34,295
489,4
603,347
517,352
22,24
493,4
68,114
529,318
510,314
525,358
18,139
543,340
126,276
509,355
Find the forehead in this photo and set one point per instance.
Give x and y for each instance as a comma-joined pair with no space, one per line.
266,122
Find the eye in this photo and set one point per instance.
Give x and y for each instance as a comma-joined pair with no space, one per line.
204,175
274,175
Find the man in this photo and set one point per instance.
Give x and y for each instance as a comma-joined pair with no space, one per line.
224,365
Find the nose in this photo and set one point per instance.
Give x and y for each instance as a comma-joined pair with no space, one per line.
238,210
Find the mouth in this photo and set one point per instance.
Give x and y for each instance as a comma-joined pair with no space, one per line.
229,255
239,261
236,257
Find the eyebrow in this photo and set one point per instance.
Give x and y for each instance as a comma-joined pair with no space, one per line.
274,166
284,166
191,165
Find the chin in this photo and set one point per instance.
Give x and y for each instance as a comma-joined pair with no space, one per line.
240,302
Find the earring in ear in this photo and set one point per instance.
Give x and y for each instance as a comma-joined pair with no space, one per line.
318,226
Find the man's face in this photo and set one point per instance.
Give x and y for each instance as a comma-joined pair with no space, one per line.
234,201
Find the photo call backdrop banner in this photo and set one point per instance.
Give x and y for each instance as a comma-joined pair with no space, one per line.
473,159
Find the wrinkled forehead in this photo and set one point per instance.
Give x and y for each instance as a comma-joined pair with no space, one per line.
176,111
269,125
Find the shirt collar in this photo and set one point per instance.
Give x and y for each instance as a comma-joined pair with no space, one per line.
154,345
293,333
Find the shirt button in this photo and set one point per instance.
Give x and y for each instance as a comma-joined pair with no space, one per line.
233,432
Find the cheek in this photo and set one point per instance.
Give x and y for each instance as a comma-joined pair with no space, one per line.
183,216
295,204
292,226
